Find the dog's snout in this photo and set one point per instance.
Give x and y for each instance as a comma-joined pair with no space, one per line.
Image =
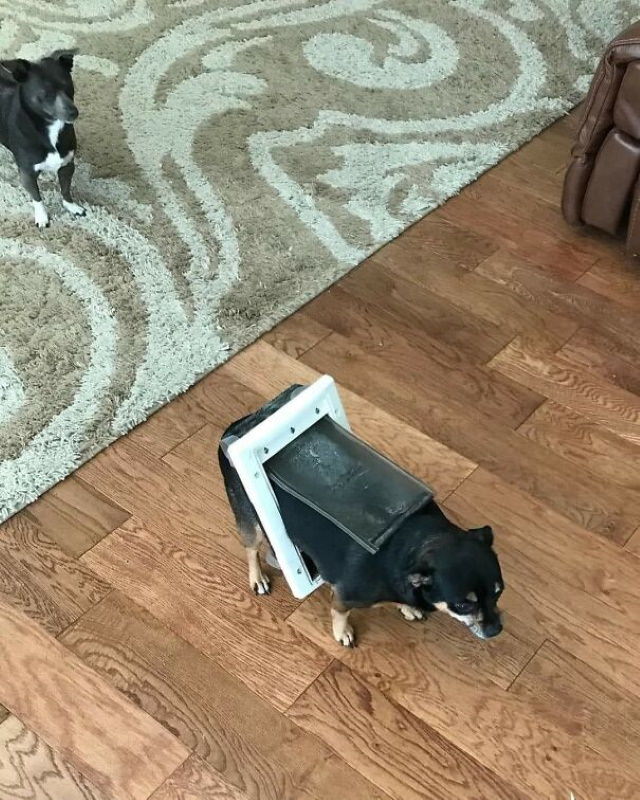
70,112
65,109
492,629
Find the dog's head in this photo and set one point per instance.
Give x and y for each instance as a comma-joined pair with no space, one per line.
46,85
459,574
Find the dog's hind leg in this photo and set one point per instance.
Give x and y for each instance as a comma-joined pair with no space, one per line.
342,629
248,524
29,181
65,174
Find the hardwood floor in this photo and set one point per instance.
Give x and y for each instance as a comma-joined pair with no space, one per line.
493,352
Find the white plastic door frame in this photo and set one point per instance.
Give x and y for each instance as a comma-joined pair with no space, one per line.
248,454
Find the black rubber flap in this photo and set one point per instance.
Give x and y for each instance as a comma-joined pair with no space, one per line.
351,484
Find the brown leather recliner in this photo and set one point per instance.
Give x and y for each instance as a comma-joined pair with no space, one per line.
602,186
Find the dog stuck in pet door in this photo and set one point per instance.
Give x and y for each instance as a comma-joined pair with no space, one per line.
299,448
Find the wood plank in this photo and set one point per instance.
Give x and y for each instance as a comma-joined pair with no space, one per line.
120,749
412,352
618,279
567,256
425,311
386,742
577,389
583,441
572,695
605,356
582,591
31,770
227,623
75,515
37,578
194,780
207,401
496,190
568,125
574,492
195,459
170,425
633,545
296,334
536,168
439,639
248,744
588,308
527,523
463,704
128,474
447,243
550,150
225,399
408,258
194,515
266,370
16,588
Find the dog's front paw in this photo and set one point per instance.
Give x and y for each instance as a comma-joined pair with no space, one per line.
262,585
347,637
74,208
40,215
411,613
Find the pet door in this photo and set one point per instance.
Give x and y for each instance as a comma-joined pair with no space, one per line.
306,449
249,454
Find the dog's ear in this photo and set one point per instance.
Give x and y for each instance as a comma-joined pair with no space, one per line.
16,68
421,579
485,535
64,58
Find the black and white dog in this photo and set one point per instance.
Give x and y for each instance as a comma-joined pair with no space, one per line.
37,113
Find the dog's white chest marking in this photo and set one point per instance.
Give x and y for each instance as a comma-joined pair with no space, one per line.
54,161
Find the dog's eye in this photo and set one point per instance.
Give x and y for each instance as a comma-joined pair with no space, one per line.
465,607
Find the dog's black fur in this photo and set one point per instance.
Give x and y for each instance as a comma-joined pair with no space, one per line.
429,563
34,96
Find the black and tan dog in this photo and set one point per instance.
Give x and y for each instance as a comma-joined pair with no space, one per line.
428,564
37,113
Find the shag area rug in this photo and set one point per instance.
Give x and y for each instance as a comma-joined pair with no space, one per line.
236,158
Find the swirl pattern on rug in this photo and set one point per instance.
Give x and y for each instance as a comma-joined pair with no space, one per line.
237,158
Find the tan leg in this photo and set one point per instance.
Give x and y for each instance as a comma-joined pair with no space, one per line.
342,629
410,612
258,581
